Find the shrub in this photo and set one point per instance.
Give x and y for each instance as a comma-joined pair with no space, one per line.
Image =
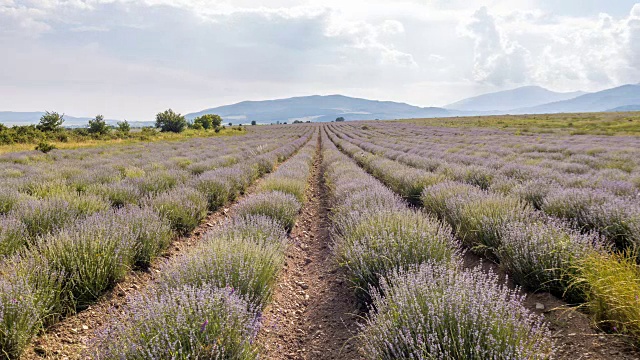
45,147
217,186
534,192
43,216
440,313
46,284
544,256
19,318
118,194
156,182
45,187
98,126
183,207
259,230
361,203
208,121
239,263
279,206
477,221
169,121
124,127
434,198
288,186
613,285
8,199
93,255
189,323
152,235
382,242
13,235
616,219
50,121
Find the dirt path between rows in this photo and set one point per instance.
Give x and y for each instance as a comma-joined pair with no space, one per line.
313,312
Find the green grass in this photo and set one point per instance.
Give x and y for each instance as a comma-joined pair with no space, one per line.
613,283
89,143
623,123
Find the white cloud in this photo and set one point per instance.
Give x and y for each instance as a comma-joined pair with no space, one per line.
191,54
497,59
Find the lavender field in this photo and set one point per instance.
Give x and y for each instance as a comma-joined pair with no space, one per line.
434,243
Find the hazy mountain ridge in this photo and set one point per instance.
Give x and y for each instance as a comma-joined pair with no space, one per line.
522,97
605,100
320,109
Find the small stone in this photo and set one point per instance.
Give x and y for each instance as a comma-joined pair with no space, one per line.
209,224
539,306
85,327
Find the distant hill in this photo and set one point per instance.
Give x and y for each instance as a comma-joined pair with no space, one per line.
11,118
319,109
625,108
595,102
522,97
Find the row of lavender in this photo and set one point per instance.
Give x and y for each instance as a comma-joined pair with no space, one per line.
207,302
67,267
408,266
576,183
40,194
607,163
540,252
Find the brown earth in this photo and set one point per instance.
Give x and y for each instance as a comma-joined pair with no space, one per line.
313,313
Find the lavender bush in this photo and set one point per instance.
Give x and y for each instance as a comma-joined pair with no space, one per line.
43,216
295,187
93,255
19,318
238,263
13,235
152,235
544,256
183,207
280,206
8,199
477,221
386,241
437,312
184,323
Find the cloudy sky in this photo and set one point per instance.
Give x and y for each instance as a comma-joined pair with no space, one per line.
130,59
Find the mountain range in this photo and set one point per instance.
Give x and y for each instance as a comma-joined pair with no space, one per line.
316,108
523,97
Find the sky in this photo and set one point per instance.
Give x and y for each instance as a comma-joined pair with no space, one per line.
131,59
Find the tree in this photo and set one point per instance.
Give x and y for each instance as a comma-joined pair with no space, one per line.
340,119
170,121
253,122
50,121
124,127
98,125
230,124
208,121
